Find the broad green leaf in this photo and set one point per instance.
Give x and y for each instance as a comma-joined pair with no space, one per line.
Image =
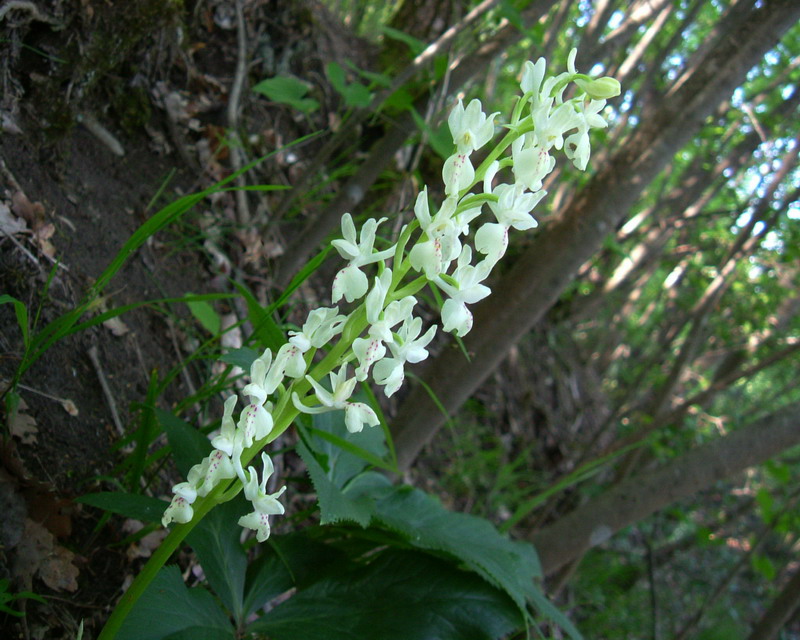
401,595
204,313
215,540
343,455
189,446
548,610
426,524
130,505
201,633
334,505
168,607
336,75
286,562
242,357
287,90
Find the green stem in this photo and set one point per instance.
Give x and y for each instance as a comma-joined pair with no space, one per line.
155,563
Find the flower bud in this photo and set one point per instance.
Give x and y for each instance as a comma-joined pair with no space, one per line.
601,88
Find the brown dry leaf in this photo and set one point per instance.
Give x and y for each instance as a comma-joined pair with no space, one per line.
10,224
43,233
31,212
23,426
58,572
38,552
116,326
144,547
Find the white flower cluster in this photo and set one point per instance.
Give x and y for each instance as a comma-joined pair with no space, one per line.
381,334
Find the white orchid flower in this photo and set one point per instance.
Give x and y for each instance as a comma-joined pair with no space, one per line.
396,312
457,174
470,127
224,441
512,209
532,163
356,414
532,76
406,347
368,351
220,467
468,290
442,245
351,282
319,329
551,125
265,504
179,510
577,146
255,421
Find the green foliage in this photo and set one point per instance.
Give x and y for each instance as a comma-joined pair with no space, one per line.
288,90
6,598
128,505
355,94
205,314
398,595
169,609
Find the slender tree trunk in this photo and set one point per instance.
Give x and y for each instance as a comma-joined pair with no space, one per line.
779,613
533,285
637,497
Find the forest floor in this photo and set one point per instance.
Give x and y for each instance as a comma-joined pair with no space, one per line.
88,201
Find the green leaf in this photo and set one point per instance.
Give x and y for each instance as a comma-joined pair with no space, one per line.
286,562
21,311
336,75
343,454
441,140
763,565
204,313
416,45
334,505
266,330
287,90
548,610
168,607
242,357
401,595
189,446
215,540
426,524
129,505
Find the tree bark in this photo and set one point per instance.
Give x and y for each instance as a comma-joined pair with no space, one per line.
535,282
639,496
779,613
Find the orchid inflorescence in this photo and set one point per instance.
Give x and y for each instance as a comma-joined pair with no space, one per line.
381,334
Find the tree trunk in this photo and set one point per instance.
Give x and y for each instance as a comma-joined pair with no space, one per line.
535,282
779,613
639,496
